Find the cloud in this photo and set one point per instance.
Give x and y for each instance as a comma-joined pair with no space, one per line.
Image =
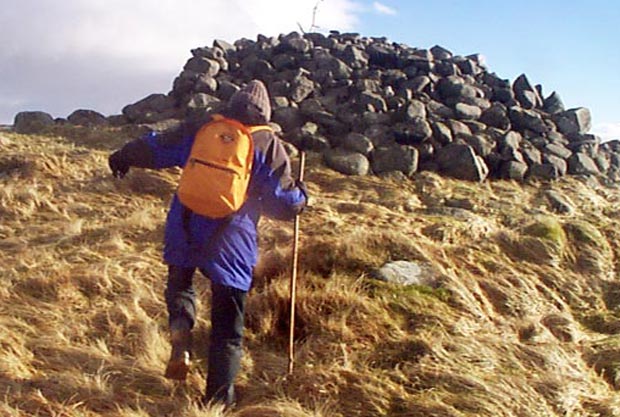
383,9
60,56
607,131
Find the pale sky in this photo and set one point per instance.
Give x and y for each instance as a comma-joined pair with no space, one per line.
59,56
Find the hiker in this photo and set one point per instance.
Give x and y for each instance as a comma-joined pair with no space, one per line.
222,247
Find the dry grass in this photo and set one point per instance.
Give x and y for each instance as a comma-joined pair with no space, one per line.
522,323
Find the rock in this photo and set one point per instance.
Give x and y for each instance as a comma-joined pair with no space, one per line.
355,57
202,65
513,170
553,104
382,55
279,101
117,120
554,137
522,120
318,39
441,133
467,112
287,117
511,154
505,96
531,155
439,52
551,168
584,143
257,68
152,108
415,109
367,84
559,203
527,95
496,116
557,150
224,46
301,88
481,144
458,128
206,84
379,135
602,162
283,62
215,53
452,87
346,161
395,158
330,123
202,102
372,118
292,43
460,161
336,68
418,84
358,143
414,132
445,68
28,122
572,121
467,66
559,163
493,162
422,60
311,106
407,273
426,152
389,94
226,89
582,164
393,77
87,118
373,101
510,140
316,143
440,110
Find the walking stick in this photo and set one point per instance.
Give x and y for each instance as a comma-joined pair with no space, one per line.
291,346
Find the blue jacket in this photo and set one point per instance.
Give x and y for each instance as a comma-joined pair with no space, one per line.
224,250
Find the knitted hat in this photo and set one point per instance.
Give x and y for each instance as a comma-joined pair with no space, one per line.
251,104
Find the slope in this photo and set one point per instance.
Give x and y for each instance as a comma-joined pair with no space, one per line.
521,319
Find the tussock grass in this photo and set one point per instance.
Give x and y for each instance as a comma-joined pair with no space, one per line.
522,320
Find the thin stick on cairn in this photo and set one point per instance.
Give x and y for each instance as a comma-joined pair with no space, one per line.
291,345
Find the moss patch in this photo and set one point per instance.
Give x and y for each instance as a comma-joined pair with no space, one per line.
548,229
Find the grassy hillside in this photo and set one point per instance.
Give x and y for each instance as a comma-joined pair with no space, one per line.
523,320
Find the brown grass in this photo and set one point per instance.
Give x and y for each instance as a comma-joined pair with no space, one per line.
522,322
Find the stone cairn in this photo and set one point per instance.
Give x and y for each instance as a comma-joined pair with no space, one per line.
371,106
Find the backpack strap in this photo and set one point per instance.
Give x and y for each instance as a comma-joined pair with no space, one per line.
258,128
251,129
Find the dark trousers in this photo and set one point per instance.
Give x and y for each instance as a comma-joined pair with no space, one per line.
227,311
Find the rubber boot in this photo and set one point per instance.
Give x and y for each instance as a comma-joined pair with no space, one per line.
178,365
224,364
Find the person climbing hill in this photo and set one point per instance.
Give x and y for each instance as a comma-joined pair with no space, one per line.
234,170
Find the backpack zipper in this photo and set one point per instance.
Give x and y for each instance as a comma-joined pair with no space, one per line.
195,161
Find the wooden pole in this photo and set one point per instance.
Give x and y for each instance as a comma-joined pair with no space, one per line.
291,342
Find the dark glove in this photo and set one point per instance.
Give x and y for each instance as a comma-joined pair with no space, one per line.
118,164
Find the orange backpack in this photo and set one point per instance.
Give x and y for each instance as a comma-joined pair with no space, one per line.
216,176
